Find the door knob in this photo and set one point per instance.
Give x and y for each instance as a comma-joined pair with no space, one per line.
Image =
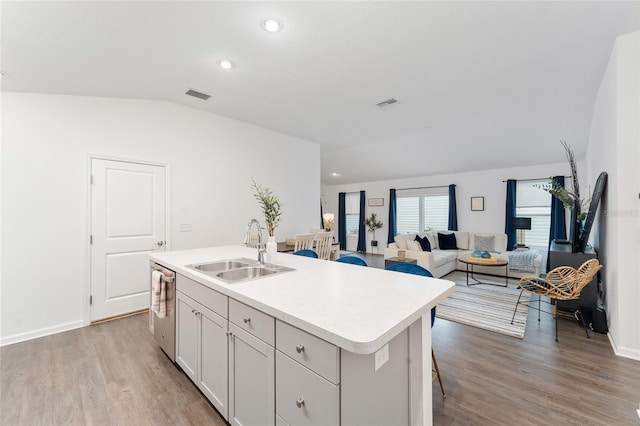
160,243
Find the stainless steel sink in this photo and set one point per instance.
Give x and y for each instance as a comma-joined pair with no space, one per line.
224,265
245,273
235,271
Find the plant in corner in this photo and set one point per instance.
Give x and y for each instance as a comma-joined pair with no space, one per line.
570,200
373,223
270,205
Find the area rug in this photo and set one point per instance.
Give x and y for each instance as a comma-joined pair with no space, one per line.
485,306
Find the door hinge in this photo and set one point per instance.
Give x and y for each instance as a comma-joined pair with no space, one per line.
91,300
90,239
91,179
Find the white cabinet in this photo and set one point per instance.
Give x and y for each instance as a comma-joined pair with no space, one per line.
201,343
251,367
213,364
304,397
187,335
307,378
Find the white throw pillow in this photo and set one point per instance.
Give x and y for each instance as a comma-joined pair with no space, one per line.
414,246
401,242
433,239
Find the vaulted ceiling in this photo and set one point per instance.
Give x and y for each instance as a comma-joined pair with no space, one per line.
480,85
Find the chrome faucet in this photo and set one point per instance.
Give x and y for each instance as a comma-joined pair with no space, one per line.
247,239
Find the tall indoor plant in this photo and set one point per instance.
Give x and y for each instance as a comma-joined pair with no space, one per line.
373,223
571,199
272,210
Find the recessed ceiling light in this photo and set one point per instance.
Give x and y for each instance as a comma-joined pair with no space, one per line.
272,25
335,174
226,64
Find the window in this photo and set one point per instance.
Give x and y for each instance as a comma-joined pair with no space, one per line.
352,211
422,210
533,202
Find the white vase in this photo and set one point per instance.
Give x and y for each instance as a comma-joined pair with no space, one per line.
272,249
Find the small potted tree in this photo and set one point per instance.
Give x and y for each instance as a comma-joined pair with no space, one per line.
373,223
272,210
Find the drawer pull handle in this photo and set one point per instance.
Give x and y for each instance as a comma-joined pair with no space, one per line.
193,311
300,349
229,333
247,320
300,403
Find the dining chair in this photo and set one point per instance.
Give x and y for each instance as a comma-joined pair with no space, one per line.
323,241
354,260
410,268
306,253
561,283
304,242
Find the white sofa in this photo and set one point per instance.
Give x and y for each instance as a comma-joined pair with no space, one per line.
441,262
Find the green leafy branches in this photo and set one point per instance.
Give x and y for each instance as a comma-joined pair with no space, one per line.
270,205
373,223
569,199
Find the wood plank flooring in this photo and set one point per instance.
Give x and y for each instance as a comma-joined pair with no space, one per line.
115,374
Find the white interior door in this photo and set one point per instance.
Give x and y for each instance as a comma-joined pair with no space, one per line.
128,213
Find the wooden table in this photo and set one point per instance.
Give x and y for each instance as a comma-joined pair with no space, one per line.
478,261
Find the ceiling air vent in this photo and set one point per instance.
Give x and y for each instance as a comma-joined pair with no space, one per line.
387,103
197,94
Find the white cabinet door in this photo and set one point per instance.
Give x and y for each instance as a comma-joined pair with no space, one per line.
251,380
187,335
213,366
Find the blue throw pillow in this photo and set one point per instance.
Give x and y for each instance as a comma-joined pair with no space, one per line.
424,243
476,253
447,241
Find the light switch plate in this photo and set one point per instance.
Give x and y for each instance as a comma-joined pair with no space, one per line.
185,227
381,357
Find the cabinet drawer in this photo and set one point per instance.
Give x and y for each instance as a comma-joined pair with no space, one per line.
303,397
311,351
210,298
252,320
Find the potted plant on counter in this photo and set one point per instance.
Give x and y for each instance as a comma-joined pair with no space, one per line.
272,210
373,223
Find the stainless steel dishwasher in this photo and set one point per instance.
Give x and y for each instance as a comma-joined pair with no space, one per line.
164,329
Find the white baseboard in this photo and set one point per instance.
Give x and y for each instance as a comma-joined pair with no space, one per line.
16,338
624,352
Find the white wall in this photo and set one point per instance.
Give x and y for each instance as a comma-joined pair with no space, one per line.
613,147
488,184
45,143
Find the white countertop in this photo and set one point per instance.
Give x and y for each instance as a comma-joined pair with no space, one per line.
356,308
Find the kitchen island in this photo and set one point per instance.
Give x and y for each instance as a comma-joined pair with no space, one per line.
326,343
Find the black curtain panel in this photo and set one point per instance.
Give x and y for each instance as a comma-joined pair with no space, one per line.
393,225
558,228
453,211
510,213
362,231
342,221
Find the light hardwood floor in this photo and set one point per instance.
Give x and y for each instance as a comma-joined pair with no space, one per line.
114,373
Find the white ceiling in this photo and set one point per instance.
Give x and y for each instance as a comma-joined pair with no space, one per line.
481,85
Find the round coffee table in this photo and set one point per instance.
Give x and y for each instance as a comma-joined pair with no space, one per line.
478,261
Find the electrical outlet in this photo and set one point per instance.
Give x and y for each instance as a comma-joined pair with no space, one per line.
381,357
185,227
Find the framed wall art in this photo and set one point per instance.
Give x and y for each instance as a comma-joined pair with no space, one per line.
376,202
477,204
